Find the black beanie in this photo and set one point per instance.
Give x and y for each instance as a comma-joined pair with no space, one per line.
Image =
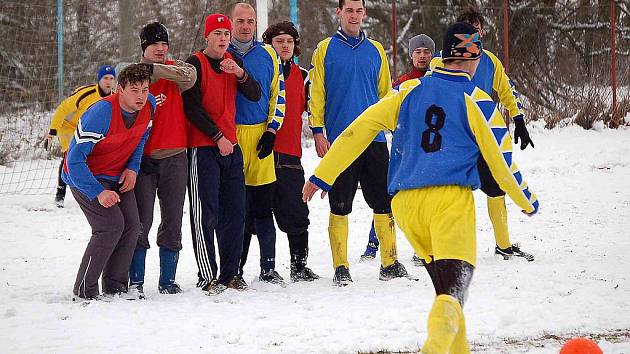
461,42
152,33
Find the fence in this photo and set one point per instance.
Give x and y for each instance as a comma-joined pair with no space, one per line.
559,56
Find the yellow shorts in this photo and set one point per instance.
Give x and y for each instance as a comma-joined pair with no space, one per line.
438,221
257,172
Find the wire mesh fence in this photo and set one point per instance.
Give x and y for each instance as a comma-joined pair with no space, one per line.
559,56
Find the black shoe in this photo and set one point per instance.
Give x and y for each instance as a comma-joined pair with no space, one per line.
272,277
513,251
342,276
302,273
238,283
87,300
394,270
417,261
59,201
170,289
214,288
135,292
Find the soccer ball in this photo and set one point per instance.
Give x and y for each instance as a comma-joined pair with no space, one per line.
580,346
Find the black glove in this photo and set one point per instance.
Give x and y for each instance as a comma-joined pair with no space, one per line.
49,138
520,132
265,144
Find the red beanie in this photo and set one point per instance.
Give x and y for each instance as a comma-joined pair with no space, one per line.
216,21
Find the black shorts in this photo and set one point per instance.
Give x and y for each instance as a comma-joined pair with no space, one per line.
369,169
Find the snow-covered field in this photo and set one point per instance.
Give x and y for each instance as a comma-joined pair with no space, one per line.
579,283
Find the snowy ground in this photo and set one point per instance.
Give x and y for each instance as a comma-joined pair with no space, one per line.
578,285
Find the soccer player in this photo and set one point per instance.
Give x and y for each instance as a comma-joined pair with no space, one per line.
290,211
421,49
257,124
164,167
349,73
433,172
101,168
216,186
66,117
491,77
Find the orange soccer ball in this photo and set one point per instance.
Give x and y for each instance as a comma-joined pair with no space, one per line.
580,346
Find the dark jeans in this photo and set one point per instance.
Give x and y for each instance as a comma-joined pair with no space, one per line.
259,222
114,236
290,211
168,178
216,191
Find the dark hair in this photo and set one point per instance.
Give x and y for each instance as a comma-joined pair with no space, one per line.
343,2
284,27
134,73
472,16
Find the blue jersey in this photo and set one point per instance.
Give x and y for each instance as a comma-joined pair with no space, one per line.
440,125
263,64
347,76
433,144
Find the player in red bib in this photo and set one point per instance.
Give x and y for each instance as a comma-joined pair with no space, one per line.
164,167
101,168
290,211
216,179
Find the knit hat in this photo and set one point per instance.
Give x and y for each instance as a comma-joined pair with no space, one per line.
105,70
421,41
461,42
284,27
152,33
216,21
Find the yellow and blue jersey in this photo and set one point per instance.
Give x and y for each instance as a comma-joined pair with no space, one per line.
490,76
347,76
262,62
440,124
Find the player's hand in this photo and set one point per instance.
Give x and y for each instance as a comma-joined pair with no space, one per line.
265,144
108,198
322,145
225,146
229,66
48,140
309,190
536,204
127,180
520,132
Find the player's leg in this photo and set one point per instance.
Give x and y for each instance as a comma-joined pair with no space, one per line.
372,246
340,198
451,269
292,214
373,178
497,212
